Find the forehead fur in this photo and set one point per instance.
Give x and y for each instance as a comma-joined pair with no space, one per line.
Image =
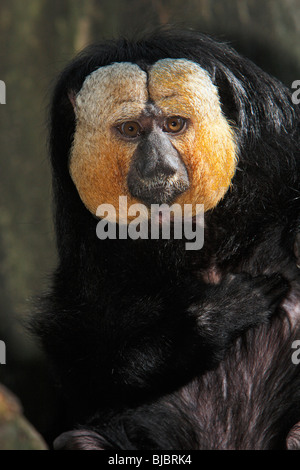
183,85
114,90
173,84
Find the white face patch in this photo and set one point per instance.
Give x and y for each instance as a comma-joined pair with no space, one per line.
180,86
114,92
177,86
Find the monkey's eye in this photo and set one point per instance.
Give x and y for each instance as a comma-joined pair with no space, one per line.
130,129
174,124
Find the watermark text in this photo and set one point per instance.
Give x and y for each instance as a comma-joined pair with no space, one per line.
2,352
158,221
296,354
2,92
296,93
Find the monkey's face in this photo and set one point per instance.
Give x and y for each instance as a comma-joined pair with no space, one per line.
156,137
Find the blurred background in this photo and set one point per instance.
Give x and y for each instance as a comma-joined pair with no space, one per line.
37,39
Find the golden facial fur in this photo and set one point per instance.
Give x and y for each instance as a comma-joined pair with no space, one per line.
100,158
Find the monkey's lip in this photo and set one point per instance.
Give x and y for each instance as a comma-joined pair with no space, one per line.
161,217
165,216
162,186
158,193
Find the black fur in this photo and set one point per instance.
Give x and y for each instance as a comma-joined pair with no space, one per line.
126,321
250,402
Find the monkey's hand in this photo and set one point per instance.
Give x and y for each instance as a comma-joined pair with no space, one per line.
227,310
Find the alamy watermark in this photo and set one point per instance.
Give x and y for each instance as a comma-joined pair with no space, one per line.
2,92
2,352
296,93
2,343
296,354
158,221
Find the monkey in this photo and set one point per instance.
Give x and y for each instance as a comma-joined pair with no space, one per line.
173,118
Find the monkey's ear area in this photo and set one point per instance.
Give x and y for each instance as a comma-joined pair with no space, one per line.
81,439
293,438
72,98
230,94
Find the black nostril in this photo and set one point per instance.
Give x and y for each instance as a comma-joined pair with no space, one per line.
148,168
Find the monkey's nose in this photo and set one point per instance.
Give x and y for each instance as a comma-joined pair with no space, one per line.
157,183
157,173
161,168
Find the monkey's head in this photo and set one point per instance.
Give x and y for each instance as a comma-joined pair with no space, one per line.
166,119
156,135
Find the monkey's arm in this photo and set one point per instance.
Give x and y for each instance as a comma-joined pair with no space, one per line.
156,343
179,343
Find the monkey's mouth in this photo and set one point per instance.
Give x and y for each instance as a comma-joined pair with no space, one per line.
157,191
